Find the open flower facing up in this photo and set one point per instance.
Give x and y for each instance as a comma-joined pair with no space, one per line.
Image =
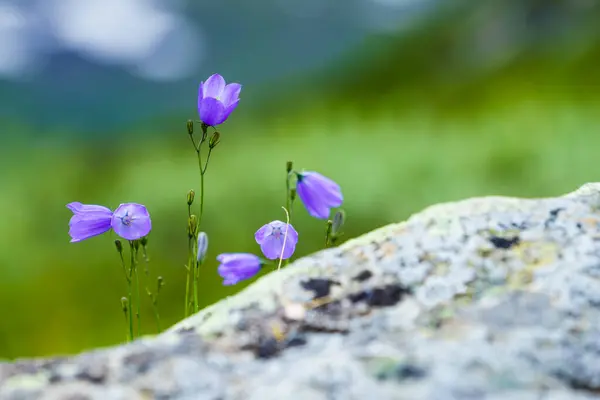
270,238
216,100
236,267
130,221
318,193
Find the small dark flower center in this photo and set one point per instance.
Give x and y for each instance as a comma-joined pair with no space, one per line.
276,232
126,219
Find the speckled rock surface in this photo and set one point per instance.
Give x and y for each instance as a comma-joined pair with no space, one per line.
488,298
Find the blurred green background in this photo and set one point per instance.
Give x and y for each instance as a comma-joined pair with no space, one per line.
465,98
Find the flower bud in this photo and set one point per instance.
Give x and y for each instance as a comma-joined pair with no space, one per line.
289,166
214,140
192,225
124,304
190,127
190,197
338,221
202,246
119,246
292,194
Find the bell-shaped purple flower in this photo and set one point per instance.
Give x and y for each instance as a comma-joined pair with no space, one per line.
318,193
88,221
236,267
270,238
216,100
131,221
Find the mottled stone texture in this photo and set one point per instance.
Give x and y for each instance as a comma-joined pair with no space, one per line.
489,298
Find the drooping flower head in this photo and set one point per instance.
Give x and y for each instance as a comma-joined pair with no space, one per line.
270,238
216,100
318,193
130,221
236,267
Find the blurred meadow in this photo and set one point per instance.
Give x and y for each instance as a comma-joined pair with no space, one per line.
440,101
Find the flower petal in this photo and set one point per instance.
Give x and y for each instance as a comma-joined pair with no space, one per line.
84,229
78,207
200,93
330,190
315,207
271,247
235,267
131,221
88,220
229,110
214,86
231,94
262,233
211,111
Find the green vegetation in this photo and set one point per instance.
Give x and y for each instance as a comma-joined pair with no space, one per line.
395,142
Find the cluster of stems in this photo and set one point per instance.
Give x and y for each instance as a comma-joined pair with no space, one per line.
290,195
195,256
131,303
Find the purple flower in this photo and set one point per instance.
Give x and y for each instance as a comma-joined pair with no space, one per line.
88,221
270,238
236,267
130,221
217,100
318,193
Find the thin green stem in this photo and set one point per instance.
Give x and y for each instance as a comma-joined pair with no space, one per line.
137,283
207,160
288,205
201,188
187,281
153,298
130,297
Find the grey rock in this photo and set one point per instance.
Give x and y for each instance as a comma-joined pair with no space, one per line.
486,298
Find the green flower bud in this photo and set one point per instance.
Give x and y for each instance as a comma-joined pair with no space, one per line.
214,140
202,246
338,221
124,304
192,225
292,194
119,246
190,127
190,197
289,166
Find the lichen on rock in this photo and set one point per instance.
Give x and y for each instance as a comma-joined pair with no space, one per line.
494,298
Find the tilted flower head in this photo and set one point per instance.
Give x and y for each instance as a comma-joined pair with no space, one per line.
236,267
216,100
270,238
318,193
88,220
131,221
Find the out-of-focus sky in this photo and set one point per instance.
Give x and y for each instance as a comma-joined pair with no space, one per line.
153,49
162,40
